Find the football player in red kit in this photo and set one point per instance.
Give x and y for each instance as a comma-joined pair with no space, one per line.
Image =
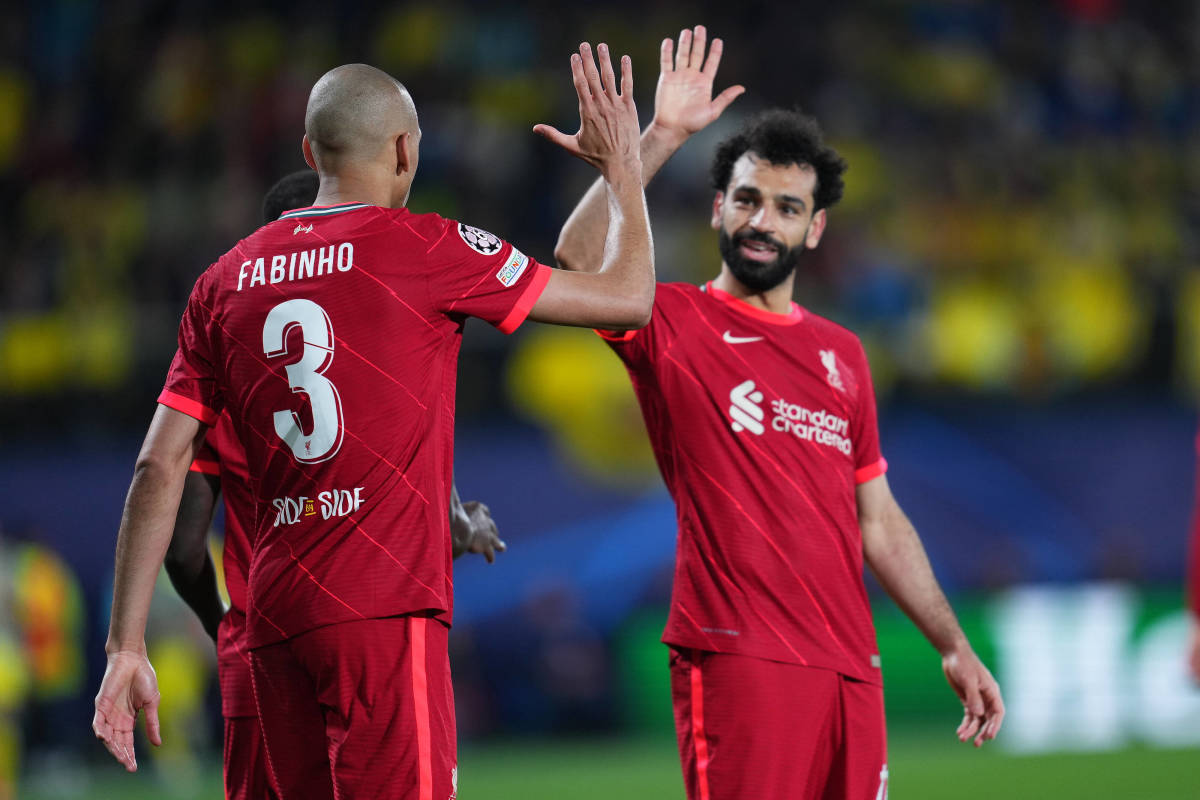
331,338
762,419
220,470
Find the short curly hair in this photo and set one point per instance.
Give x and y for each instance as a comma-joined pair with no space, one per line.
783,137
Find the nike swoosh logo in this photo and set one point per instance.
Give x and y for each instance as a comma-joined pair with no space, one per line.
731,339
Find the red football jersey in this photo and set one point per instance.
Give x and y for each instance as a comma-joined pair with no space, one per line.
762,424
331,336
222,455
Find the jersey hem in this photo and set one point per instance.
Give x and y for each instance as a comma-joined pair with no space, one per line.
186,405
527,300
684,642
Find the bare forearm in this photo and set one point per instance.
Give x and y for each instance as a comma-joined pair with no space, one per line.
620,295
895,554
582,240
141,544
628,249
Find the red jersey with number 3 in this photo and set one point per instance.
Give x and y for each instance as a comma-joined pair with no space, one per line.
331,336
763,425
222,455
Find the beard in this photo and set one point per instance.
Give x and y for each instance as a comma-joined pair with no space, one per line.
758,276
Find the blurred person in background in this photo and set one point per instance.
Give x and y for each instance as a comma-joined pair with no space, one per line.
220,465
14,681
775,671
350,594
1193,573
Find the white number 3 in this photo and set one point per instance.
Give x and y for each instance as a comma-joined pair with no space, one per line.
305,376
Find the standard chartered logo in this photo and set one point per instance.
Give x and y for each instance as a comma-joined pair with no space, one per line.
746,413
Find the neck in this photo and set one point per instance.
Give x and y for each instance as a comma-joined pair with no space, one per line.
777,300
351,188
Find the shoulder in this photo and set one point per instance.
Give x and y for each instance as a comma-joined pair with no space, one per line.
830,331
670,296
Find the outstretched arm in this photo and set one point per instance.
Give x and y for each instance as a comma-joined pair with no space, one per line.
129,684
621,293
189,562
683,106
895,554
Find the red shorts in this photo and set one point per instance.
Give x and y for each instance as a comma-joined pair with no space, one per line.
359,709
749,727
246,761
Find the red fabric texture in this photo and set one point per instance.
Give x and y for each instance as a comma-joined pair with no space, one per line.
332,340
246,773
749,727
347,713
762,429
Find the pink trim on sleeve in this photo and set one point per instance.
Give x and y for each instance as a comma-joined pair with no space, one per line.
186,405
537,285
615,336
871,471
206,467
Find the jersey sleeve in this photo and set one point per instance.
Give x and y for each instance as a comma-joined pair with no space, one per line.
637,348
869,462
207,460
191,386
481,275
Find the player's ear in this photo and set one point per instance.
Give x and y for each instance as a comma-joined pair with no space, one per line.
306,148
718,207
404,153
815,229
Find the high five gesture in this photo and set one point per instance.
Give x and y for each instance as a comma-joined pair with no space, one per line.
683,101
683,105
608,122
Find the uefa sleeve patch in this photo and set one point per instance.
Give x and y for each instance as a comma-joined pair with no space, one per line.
514,265
480,240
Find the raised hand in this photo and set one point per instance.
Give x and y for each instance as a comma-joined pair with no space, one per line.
983,708
129,685
608,124
683,101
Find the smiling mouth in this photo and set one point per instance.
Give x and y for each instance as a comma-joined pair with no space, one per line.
758,251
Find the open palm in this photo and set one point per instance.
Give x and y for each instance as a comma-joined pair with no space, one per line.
683,101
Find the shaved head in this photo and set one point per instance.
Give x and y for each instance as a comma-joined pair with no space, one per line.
355,114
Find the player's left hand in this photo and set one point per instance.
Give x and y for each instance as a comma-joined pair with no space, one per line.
683,101
983,708
129,685
485,537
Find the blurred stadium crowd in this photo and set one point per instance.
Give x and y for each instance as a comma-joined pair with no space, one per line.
1019,224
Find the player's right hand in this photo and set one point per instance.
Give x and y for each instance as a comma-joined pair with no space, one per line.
983,707
129,685
683,101
609,137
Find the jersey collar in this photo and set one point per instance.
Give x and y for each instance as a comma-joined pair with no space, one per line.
321,211
794,315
